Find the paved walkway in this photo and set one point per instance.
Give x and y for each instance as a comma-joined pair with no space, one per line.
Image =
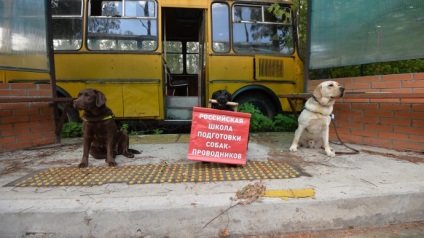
375,187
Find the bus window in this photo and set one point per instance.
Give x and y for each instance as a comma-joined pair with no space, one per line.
220,27
124,25
67,24
174,56
192,60
256,30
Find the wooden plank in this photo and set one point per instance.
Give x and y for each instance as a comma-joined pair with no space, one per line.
359,95
352,95
33,99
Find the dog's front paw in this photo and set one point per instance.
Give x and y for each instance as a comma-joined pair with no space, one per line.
293,148
330,153
128,155
82,165
112,164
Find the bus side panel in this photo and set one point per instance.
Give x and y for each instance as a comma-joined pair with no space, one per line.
235,72
231,68
71,87
19,76
131,82
141,99
107,66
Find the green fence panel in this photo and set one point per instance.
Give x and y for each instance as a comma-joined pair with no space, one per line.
354,32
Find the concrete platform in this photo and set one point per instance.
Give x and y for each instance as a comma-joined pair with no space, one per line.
375,187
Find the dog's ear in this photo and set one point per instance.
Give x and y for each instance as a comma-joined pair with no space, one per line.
228,96
100,99
215,94
317,92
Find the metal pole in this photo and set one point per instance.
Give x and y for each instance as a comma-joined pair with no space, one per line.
51,64
308,47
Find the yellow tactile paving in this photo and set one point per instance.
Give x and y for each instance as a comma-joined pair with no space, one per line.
163,173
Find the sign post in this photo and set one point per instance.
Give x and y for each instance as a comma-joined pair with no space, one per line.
219,136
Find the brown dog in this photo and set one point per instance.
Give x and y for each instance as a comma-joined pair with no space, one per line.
102,139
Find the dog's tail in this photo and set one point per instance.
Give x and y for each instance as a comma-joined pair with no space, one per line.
134,151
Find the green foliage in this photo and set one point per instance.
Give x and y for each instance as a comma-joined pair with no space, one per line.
125,127
140,127
276,10
157,131
301,8
395,67
260,122
302,20
128,128
71,129
285,122
74,129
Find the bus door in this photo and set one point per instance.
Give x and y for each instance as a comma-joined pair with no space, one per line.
183,40
201,80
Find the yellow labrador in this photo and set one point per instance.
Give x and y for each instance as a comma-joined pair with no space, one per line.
314,121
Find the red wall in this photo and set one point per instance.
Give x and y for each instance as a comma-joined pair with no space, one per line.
389,123
25,124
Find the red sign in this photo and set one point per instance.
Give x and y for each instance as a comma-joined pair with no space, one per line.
219,136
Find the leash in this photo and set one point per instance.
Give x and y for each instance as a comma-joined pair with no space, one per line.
354,151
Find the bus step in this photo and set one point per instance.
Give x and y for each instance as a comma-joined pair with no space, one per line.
178,113
179,108
178,101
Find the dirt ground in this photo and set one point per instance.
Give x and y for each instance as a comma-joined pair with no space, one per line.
31,159
274,141
409,230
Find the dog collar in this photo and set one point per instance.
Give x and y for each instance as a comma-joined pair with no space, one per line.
307,109
104,118
317,100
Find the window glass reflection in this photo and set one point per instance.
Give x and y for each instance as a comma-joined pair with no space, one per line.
174,56
192,57
140,9
67,24
67,7
257,30
247,13
220,27
122,25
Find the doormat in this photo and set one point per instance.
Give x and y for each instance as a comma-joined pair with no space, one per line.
153,174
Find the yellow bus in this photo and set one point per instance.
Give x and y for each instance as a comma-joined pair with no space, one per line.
156,59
